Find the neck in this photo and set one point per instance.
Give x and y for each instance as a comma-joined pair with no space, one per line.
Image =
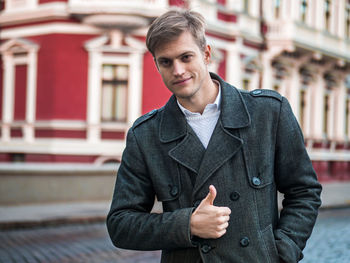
206,96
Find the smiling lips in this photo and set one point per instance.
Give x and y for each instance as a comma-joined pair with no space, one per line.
181,81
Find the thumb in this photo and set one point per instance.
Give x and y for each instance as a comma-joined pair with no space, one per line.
209,199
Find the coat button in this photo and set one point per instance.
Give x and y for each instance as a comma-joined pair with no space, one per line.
256,181
205,248
196,203
244,242
174,191
234,196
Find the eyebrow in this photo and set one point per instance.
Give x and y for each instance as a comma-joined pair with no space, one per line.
182,54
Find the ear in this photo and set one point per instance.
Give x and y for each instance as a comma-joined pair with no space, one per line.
207,54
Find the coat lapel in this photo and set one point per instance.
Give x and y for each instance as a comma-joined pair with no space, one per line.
189,151
224,144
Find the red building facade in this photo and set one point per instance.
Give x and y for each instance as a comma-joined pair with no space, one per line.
75,74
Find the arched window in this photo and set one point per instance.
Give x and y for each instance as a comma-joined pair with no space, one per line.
303,10
347,19
327,14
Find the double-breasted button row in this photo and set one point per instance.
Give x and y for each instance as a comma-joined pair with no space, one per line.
206,248
244,242
174,190
256,181
234,196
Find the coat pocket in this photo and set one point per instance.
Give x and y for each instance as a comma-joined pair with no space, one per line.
169,196
263,177
270,244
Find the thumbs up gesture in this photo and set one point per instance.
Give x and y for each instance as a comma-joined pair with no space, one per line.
208,220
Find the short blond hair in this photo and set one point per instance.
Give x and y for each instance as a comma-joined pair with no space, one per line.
172,24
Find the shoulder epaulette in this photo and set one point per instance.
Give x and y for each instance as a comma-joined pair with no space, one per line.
145,117
266,93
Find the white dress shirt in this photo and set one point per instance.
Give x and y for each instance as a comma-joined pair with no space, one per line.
204,124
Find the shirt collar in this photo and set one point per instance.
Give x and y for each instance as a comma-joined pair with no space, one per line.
215,104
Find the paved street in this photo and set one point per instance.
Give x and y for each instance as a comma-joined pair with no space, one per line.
330,243
330,240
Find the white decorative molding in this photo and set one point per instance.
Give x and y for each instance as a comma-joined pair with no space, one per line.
19,5
49,28
55,10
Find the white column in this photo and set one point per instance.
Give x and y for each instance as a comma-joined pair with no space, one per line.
295,10
317,107
319,11
337,17
94,95
340,111
331,115
234,66
341,19
267,71
28,130
135,87
254,81
293,92
308,112
8,96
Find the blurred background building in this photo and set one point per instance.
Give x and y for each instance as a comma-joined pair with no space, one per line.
75,74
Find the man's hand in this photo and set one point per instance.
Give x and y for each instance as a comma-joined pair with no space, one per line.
209,221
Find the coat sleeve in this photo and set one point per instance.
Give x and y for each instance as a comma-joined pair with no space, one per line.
297,180
129,222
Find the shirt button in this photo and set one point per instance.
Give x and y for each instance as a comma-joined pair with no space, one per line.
234,196
256,181
174,191
205,248
244,242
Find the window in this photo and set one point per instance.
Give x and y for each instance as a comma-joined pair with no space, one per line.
347,115
347,19
326,112
303,10
327,14
302,107
277,8
114,92
347,107
246,83
246,6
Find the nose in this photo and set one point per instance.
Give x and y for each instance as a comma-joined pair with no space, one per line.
178,68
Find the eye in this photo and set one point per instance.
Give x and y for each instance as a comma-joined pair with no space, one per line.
164,62
186,58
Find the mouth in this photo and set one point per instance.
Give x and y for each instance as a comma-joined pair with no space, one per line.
181,81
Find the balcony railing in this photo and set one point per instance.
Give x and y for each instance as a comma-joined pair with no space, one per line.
144,7
307,37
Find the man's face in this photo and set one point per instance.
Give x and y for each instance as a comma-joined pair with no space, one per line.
183,66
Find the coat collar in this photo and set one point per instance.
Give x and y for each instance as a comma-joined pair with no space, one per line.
234,113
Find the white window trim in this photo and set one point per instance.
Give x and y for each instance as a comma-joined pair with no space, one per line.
127,55
10,62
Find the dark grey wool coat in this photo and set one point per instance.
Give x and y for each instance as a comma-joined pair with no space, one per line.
256,149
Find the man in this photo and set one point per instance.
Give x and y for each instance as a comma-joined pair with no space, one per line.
215,157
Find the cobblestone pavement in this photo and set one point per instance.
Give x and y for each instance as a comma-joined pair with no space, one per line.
67,244
89,243
330,240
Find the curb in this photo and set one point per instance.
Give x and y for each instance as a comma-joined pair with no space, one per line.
12,225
